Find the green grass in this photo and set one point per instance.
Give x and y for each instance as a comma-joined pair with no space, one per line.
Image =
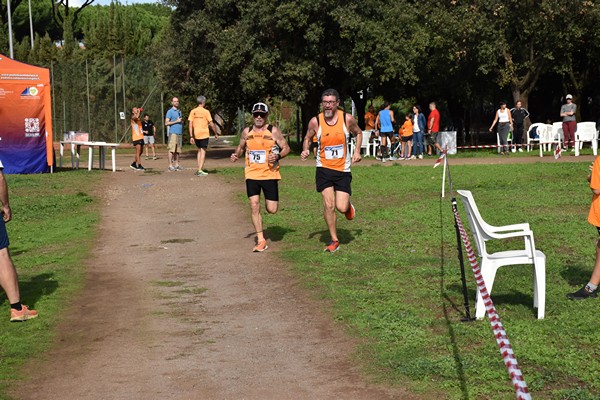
395,282
54,219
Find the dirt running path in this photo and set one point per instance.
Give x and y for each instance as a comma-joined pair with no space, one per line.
177,307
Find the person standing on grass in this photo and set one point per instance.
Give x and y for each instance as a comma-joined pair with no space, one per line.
569,125
385,120
406,135
591,289
8,274
200,121
149,134
264,146
504,119
433,128
419,127
519,115
333,128
137,138
370,119
174,124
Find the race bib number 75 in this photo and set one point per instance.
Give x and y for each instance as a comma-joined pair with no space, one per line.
257,156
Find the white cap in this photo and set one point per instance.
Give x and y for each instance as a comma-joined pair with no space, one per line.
569,97
260,107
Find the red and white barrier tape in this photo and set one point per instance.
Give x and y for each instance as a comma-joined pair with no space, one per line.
508,355
495,146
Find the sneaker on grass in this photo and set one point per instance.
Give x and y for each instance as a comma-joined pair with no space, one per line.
22,315
260,246
332,247
583,294
350,213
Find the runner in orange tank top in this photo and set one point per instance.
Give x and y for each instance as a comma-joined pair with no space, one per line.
264,146
333,129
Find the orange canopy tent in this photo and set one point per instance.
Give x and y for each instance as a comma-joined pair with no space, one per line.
26,118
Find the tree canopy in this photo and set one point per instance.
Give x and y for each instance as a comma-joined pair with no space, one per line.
241,51
467,53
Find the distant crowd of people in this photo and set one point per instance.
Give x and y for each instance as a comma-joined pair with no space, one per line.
416,136
143,134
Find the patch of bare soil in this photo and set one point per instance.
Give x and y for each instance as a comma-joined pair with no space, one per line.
176,306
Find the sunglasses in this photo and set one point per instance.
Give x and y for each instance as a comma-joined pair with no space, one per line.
259,114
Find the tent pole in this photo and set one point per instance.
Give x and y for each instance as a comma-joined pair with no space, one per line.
10,33
52,86
115,93
87,83
30,24
123,84
162,111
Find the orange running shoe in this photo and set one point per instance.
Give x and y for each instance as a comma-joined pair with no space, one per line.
350,213
332,247
261,246
23,315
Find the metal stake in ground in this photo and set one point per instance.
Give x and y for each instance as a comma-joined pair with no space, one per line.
463,278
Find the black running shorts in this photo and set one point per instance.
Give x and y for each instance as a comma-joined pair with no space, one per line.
270,188
201,143
340,181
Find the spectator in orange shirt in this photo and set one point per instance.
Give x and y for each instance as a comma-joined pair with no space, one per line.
137,138
370,119
406,135
200,124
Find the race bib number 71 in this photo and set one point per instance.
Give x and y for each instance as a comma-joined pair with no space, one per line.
334,152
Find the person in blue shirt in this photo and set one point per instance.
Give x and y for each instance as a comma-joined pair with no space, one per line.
385,120
174,124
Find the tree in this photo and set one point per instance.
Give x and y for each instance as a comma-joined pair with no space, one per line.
61,12
238,53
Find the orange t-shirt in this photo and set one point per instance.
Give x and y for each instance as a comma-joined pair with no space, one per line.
333,144
136,130
594,215
200,118
259,144
370,121
406,129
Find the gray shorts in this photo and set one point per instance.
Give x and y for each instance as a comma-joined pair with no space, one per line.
149,139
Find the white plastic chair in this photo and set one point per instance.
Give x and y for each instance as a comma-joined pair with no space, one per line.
558,132
549,137
540,129
482,232
586,132
369,147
